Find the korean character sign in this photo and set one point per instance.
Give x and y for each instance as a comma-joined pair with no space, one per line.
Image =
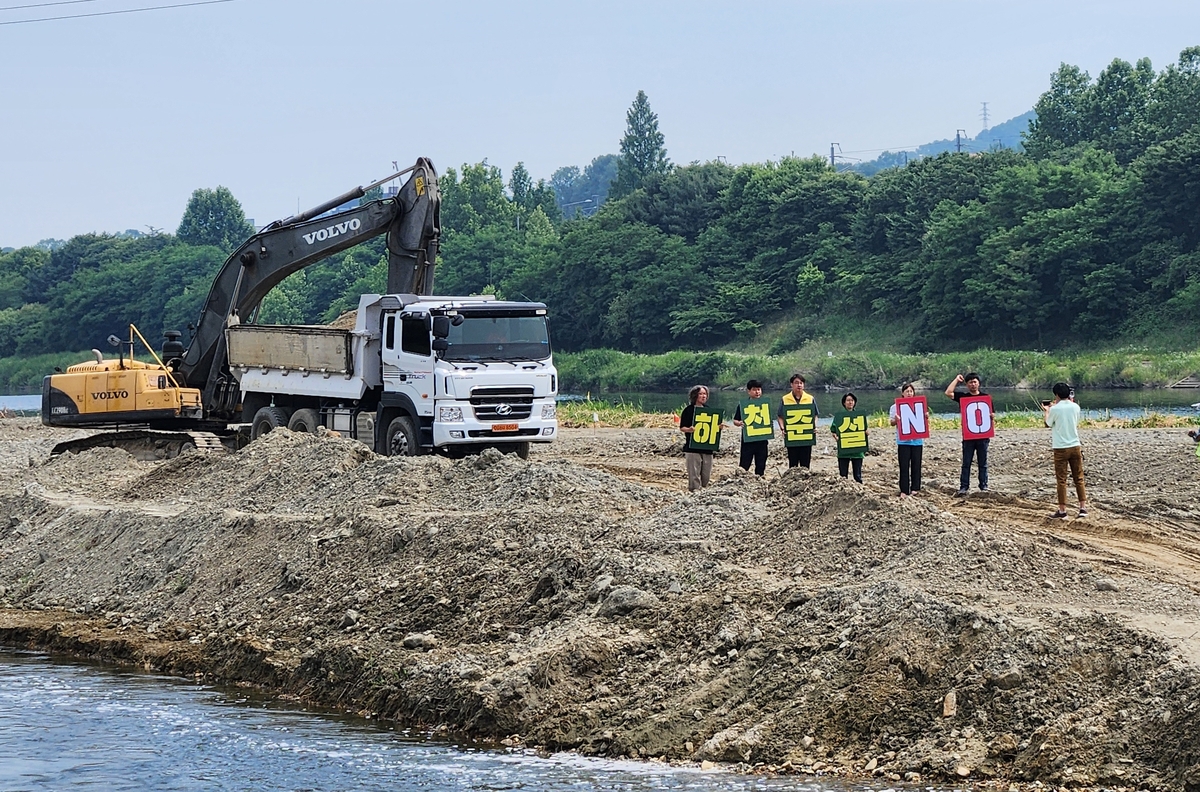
799,425
706,436
912,418
756,420
977,419
850,426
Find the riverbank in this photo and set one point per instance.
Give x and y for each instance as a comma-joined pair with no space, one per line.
583,600
609,370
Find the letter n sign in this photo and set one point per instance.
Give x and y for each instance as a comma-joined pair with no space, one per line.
976,414
912,422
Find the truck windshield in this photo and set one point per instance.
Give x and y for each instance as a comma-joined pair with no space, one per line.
498,337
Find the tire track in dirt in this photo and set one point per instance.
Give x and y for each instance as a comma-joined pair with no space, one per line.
1156,551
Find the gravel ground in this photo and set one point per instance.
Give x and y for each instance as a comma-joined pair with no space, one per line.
583,599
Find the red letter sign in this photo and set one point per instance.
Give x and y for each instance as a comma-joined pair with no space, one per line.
976,414
911,421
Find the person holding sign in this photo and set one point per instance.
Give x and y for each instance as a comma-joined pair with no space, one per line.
702,428
910,416
798,421
1062,417
754,416
850,428
975,409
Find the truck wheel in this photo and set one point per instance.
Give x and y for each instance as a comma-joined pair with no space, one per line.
402,438
523,450
305,420
266,419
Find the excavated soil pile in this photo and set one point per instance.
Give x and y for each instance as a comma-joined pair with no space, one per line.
800,622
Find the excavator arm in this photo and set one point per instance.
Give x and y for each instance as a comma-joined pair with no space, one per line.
410,220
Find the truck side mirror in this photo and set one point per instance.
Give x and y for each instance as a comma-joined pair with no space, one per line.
440,345
441,326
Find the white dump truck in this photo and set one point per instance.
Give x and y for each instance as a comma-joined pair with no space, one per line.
416,374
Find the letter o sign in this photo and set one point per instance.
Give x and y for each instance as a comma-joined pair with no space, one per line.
976,414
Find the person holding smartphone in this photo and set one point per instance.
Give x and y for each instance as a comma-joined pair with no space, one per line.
1062,417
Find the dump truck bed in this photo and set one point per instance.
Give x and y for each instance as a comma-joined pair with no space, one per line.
304,348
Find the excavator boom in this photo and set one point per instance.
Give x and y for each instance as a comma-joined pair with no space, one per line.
411,221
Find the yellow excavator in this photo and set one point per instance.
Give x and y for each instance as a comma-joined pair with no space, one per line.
111,394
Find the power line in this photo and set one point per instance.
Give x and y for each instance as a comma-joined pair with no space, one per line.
43,5
111,13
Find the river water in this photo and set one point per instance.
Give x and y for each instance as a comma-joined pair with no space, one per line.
68,725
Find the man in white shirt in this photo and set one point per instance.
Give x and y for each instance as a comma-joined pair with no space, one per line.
1062,416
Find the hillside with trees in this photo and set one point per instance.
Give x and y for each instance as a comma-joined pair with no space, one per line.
1089,235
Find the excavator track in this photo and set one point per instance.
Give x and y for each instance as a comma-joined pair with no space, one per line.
147,445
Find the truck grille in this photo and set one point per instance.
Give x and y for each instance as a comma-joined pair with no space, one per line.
502,404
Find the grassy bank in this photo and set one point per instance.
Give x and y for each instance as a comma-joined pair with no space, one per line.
606,369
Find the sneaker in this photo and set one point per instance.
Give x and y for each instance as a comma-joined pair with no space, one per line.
962,493
1083,512
983,488
1058,515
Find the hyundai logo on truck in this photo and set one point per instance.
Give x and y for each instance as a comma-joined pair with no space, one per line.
503,409
333,231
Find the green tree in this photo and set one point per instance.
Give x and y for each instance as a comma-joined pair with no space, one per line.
475,199
1061,120
214,217
582,192
642,149
1175,98
520,184
683,201
15,269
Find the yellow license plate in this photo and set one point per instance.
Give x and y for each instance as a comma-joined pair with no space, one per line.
504,427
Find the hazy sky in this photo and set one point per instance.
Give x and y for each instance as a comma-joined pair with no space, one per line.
111,122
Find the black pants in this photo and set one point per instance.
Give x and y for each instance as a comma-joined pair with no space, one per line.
799,455
978,449
910,467
757,451
844,468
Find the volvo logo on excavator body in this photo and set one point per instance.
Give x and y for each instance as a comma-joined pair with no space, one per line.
333,231
103,395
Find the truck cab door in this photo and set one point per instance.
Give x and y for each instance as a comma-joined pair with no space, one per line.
407,358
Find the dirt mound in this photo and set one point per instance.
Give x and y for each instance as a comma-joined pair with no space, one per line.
579,599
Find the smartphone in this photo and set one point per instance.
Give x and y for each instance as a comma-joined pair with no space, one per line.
1045,402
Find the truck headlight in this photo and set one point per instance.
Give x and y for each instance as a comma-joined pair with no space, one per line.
450,415
549,411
